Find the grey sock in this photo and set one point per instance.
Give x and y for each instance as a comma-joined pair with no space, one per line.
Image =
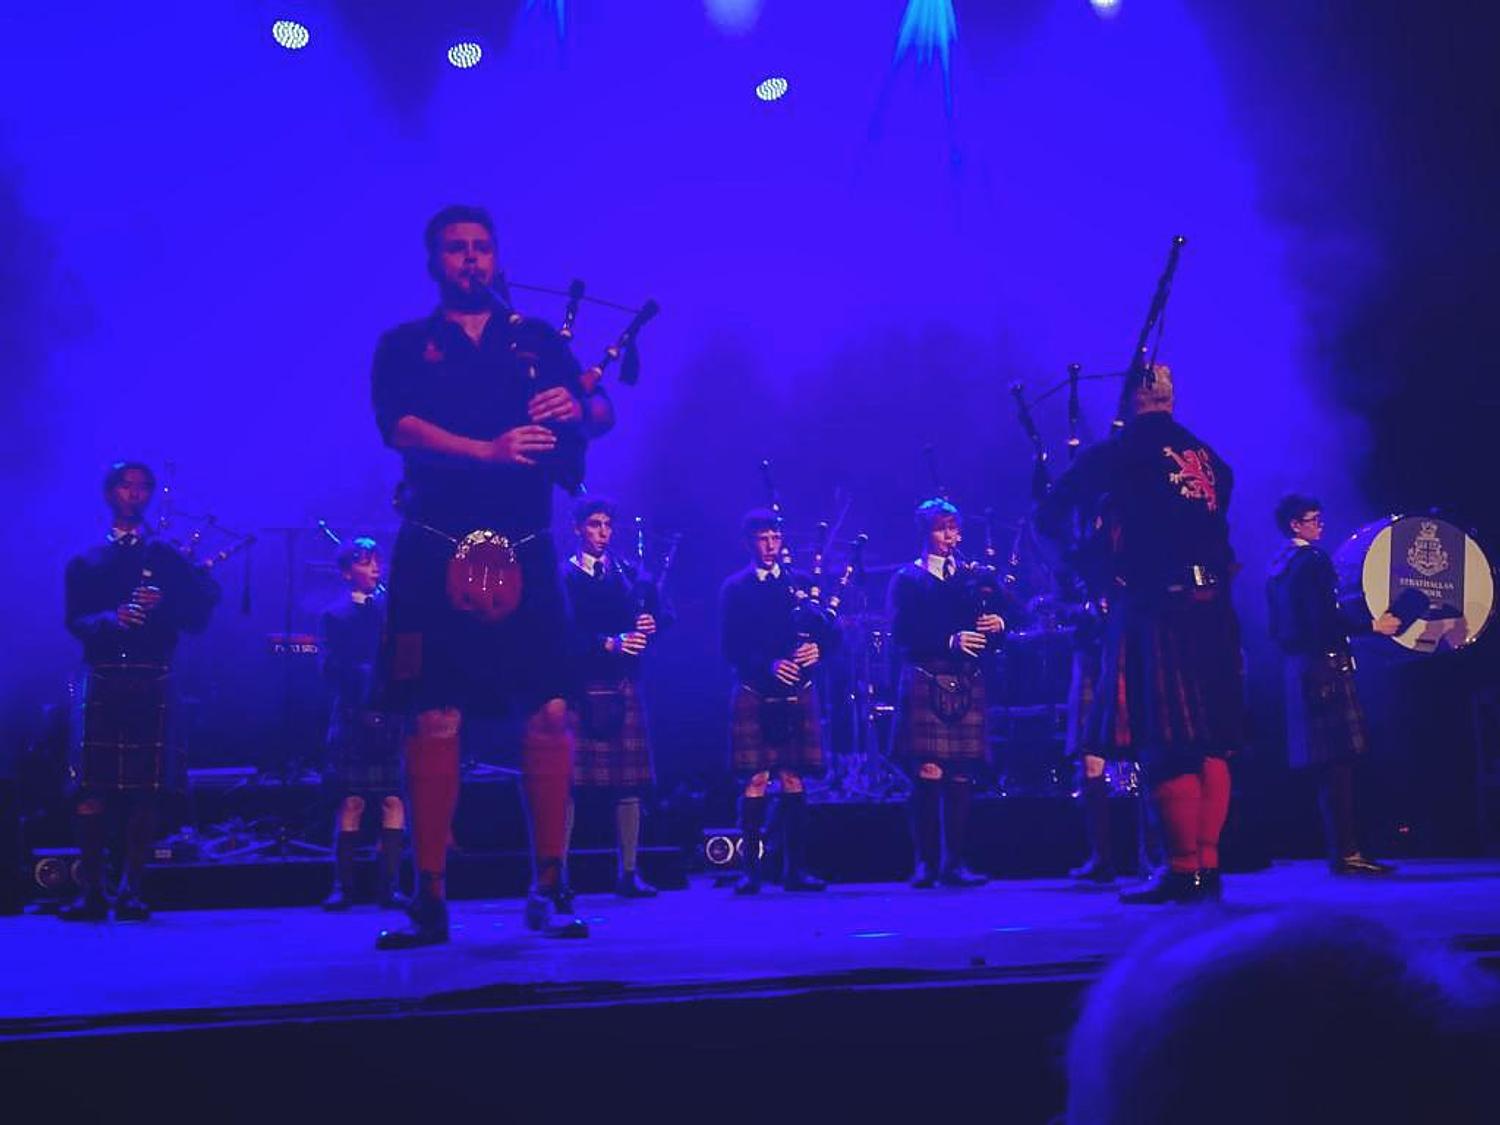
628,830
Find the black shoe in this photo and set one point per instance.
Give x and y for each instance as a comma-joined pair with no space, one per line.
1167,886
925,877
338,899
1094,870
1357,864
545,915
90,906
631,885
801,881
961,876
1210,884
129,907
429,926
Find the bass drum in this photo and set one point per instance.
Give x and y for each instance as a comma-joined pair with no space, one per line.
1428,572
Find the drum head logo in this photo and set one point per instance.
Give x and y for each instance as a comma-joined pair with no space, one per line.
1426,554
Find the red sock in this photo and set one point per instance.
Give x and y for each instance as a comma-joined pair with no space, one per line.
547,780
1213,810
432,777
1178,800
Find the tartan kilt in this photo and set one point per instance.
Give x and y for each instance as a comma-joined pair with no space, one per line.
922,734
755,746
1324,720
1083,690
127,740
1171,685
364,751
612,749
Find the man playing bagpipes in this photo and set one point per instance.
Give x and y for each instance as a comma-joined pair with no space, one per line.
489,413
615,620
128,599
943,619
775,721
364,746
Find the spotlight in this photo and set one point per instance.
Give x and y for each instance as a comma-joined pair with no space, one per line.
290,34
772,89
465,55
1105,9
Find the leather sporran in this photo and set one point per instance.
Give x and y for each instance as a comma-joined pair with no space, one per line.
484,577
949,695
780,719
601,713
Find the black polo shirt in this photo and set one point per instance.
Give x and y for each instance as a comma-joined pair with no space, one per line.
430,369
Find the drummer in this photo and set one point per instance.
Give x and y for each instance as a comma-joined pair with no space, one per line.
1325,724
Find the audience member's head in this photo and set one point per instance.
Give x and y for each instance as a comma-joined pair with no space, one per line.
1280,1019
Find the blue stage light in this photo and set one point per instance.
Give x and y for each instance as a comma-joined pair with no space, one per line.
733,16
465,55
771,89
290,34
930,27
1106,9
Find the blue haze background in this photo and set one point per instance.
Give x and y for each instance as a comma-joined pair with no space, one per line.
208,233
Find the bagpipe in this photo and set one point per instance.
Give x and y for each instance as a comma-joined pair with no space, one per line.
817,593
982,578
647,583
484,574
205,529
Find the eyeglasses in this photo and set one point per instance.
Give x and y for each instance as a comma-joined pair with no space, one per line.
1316,519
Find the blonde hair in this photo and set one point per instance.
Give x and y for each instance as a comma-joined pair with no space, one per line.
1157,395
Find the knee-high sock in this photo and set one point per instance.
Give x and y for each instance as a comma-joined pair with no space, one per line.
432,777
343,860
570,820
1213,810
392,841
958,802
1336,801
140,835
628,831
926,822
1096,818
93,830
1178,800
792,812
752,824
546,779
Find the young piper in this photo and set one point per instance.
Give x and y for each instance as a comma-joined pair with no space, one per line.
941,630
364,746
1325,724
775,722
128,599
613,625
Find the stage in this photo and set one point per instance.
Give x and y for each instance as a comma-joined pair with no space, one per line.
867,976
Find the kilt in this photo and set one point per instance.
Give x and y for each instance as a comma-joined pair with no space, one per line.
1324,720
940,715
436,656
364,751
1083,687
127,742
775,732
1171,686
612,751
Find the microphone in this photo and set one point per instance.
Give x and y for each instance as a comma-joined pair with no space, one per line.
1073,411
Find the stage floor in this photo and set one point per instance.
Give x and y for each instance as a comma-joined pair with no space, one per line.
203,967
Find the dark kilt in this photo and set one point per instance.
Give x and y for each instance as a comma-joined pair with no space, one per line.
1171,687
940,715
127,740
1083,688
612,751
1324,720
775,732
435,656
364,751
